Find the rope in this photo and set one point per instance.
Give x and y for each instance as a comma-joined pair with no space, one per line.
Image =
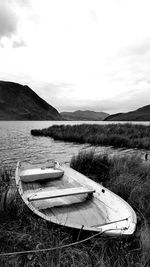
55,248
99,225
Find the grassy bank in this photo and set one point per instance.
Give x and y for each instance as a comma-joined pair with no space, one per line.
129,177
116,135
20,229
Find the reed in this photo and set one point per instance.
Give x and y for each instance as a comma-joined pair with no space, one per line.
129,177
116,135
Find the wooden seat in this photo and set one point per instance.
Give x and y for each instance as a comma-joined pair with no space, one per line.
60,193
32,175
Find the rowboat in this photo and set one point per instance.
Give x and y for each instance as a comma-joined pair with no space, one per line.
59,194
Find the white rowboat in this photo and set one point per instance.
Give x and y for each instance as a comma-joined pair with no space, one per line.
63,196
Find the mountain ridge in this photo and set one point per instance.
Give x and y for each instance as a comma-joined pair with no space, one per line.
84,115
140,114
20,102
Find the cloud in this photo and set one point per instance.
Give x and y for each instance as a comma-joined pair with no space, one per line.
138,49
134,97
8,20
17,20
22,3
18,43
56,94
125,102
93,15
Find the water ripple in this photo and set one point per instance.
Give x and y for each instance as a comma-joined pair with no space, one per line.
16,143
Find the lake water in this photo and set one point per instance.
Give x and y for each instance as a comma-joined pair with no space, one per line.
16,143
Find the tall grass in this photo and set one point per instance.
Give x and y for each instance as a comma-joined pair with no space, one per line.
126,175
20,230
129,177
116,135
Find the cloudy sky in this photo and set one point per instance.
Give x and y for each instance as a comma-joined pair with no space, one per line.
78,54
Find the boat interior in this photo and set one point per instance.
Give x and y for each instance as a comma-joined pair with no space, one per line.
64,197
60,194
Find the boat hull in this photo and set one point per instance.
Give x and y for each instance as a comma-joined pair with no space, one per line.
102,212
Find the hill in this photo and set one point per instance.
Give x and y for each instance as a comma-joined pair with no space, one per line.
86,115
20,102
141,114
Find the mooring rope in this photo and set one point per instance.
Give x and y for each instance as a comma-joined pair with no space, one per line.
55,248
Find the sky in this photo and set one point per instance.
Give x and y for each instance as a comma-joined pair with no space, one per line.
78,54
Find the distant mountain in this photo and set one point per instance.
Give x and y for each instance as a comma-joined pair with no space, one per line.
141,114
86,115
19,102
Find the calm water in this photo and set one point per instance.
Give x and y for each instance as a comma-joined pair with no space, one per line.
16,143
